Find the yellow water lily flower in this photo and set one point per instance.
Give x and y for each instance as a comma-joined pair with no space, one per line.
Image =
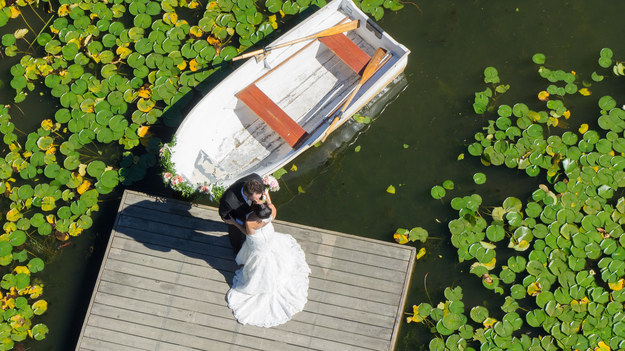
585,91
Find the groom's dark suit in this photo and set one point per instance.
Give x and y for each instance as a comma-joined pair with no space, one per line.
232,205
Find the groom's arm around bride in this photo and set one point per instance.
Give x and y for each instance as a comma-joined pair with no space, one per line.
235,204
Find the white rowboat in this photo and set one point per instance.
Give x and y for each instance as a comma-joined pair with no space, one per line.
269,111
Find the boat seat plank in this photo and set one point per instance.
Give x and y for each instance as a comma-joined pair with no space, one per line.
272,114
347,51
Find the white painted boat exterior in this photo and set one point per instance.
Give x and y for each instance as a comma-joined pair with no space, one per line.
221,139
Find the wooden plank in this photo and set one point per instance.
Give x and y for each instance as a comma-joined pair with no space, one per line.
347,51
95,344
272,114
128,341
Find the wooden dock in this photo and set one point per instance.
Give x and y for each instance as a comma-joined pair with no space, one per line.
169,264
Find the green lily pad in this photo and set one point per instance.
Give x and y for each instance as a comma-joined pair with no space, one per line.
40,331
96,168
479,314
438,192
479,178
35,265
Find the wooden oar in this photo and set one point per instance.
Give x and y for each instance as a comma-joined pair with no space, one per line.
345,27
373,65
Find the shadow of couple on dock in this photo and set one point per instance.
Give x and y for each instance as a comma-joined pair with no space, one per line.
189,241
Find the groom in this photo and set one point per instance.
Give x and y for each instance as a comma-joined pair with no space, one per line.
235,203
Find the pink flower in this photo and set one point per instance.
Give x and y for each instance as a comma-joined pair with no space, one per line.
166,176
205,189
177,180
271,183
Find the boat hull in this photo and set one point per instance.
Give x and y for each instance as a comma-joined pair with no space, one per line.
223,139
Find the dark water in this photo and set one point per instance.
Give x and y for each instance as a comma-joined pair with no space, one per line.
451,43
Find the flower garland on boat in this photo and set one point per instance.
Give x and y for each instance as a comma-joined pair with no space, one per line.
181,184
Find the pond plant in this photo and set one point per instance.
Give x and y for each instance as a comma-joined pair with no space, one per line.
115,69
558,257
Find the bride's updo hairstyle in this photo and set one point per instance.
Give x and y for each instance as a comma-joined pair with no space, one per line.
261,210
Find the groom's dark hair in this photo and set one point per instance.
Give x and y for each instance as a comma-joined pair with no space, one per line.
261,210
253,186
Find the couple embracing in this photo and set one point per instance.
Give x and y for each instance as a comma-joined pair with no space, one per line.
272,285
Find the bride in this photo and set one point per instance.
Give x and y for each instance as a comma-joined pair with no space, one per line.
272,285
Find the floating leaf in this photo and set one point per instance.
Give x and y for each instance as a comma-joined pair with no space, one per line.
421,253
539,59
438,192
479,178
448,184
39,331
418,233
583,128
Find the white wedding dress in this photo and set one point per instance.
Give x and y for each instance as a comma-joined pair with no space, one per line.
272,285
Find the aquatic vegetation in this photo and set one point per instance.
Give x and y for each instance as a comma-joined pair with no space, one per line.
558,258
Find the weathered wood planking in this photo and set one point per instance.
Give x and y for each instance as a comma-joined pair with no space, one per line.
169,264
